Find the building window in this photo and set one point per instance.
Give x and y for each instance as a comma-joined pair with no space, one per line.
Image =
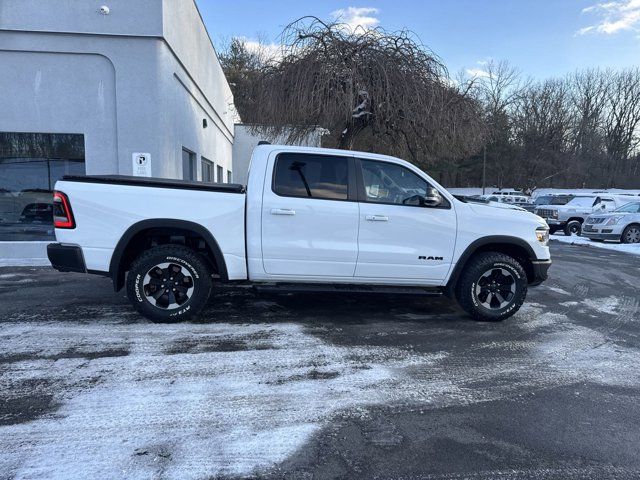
207,171
220,174
30,165
229,176
189,170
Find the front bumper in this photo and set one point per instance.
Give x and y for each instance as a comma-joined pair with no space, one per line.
540,271
601,236
66,258
552,222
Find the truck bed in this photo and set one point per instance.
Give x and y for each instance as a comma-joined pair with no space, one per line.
156,182
108,208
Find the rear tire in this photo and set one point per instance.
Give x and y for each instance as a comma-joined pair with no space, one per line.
492,287
169,283
574,227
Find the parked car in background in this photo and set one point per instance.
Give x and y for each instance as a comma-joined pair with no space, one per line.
509,192
498,202
550,199
623,224
571,216
511,199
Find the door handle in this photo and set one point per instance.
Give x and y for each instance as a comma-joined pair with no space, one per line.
377,218
282,211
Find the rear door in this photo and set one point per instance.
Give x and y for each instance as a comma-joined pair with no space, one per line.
400,239
310,216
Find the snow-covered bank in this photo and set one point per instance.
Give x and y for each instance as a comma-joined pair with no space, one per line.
634,249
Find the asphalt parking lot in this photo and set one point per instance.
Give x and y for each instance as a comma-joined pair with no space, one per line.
323,386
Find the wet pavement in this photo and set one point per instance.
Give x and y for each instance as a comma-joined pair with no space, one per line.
323,386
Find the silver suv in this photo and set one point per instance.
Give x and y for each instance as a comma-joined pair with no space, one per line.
623,224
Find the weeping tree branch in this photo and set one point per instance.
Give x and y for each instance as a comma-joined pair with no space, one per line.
372,89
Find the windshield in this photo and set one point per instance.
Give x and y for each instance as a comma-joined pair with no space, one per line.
543,200
629,208
582,202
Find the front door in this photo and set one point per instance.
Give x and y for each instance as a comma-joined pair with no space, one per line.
310,216
399,237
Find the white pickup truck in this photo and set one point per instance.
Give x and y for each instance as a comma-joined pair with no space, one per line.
309,218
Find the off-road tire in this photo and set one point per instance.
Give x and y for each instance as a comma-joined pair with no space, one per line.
478,266
190,262
573,227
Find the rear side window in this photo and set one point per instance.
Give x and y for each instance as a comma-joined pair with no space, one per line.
311,176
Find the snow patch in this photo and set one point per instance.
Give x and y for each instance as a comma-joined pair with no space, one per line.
631,248
607,305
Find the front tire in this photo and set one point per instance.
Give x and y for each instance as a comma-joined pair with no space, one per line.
492,287
574,227
169,283
631,234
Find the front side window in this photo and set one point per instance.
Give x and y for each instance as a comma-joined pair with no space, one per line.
392,184
311,176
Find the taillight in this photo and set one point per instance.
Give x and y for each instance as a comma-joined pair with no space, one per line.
62,215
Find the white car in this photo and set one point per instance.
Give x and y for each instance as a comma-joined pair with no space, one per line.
310,218
570,216
623,224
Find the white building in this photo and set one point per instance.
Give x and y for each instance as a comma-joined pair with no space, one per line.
87,86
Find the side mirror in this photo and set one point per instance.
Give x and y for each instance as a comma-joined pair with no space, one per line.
433,198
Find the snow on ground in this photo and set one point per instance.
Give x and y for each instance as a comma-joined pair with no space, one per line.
200,400
585,242
24,262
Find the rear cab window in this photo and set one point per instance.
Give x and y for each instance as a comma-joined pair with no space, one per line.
305,175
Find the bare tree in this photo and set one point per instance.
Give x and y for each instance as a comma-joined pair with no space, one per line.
370,89
622,122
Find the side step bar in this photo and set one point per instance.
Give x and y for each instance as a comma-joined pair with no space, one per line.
338,288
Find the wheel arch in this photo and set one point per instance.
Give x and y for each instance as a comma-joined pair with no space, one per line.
133,242
512,246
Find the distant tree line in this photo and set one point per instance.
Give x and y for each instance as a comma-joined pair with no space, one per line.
384,92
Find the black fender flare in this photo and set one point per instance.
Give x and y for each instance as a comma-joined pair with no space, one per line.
116,272
483,242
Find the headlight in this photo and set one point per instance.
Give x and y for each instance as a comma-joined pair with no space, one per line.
542,234
615,219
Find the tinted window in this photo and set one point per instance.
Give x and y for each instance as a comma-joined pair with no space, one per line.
312,176
391,183
30,165
207,170
630,208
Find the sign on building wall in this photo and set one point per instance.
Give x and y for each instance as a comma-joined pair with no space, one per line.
141,164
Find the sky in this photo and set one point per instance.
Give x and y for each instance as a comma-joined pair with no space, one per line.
543,38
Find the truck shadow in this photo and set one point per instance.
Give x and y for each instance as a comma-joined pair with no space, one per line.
244,304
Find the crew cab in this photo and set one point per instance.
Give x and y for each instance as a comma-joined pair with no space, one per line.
309,218
570,216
